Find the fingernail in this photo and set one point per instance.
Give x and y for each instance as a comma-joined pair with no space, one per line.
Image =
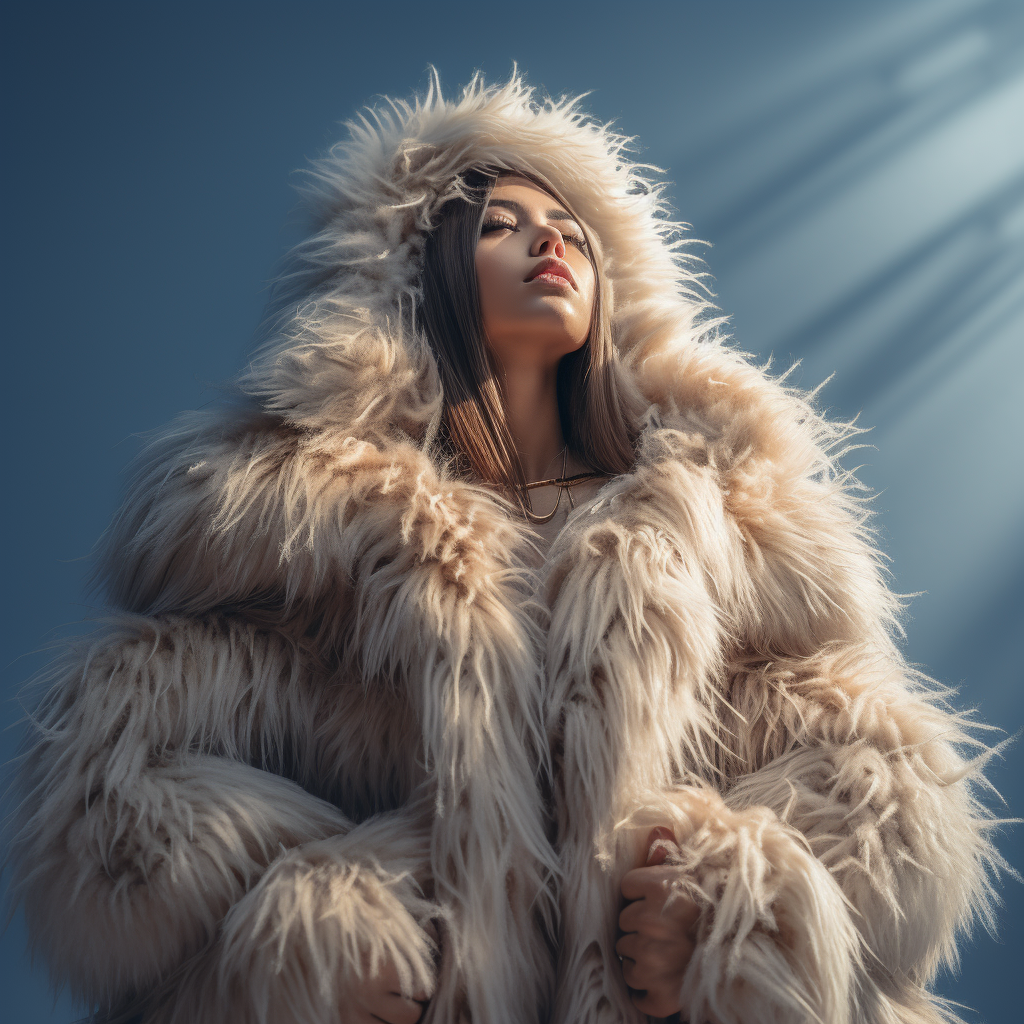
657,850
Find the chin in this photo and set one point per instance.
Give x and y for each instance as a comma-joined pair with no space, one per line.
547,347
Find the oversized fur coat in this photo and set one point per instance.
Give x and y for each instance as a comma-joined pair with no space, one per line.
332,702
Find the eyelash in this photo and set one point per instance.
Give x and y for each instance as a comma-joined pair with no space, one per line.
578,240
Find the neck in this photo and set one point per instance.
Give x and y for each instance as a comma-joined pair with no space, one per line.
531,407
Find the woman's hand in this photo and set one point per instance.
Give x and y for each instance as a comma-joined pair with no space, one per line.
378,999
657,945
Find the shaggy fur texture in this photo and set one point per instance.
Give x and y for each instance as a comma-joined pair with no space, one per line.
334,704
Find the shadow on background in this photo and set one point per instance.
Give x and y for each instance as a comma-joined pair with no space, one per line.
782,162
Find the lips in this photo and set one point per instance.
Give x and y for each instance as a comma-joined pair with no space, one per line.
550,265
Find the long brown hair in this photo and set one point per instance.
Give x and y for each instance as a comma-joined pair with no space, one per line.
597,408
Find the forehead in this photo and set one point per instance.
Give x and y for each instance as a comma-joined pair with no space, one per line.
523,189
516,181
523,192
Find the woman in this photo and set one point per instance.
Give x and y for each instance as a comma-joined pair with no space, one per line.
371,735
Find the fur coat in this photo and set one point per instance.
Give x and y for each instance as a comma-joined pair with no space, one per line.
333,702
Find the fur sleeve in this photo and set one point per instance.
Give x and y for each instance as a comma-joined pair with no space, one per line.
843,851
838,845
856,757
323,917
366,549
144,818
851,798
241,506
851,848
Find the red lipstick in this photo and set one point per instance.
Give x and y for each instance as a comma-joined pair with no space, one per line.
553,267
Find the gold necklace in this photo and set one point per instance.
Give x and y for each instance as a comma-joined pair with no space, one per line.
564,484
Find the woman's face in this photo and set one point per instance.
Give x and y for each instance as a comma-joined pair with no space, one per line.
535,277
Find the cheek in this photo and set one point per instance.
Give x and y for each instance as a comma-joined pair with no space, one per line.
588,288
492,285
591,282
507,307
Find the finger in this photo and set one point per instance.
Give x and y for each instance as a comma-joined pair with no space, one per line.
664,887
655,960
657,1002
633,916
421,995
637,969
648,918
643,916
387,980
682,912
638,883
362,1016
650,882
382,976
627,946
634,975
393,1008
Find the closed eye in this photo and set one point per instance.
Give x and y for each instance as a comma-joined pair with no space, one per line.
579,241
497,225
575,238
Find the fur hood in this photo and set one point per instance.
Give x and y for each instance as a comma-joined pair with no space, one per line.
334,702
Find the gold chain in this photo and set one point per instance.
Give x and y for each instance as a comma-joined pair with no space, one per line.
563,482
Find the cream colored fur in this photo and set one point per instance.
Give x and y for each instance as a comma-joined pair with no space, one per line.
332,703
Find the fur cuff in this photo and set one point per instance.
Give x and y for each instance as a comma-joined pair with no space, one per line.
324,917
775,942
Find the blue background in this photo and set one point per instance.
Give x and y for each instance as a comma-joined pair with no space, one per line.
858,167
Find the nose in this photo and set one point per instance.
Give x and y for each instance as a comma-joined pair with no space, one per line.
548,242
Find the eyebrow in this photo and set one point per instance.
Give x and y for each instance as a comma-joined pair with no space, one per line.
555,213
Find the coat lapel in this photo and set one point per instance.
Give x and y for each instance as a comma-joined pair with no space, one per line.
441,604
636,640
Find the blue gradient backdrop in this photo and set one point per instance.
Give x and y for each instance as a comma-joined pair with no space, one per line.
857,167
